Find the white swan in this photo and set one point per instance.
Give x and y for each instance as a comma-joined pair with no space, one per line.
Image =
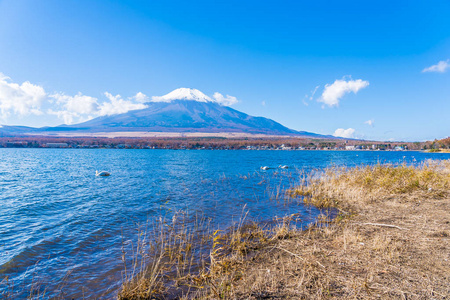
283,167
102,173
265,168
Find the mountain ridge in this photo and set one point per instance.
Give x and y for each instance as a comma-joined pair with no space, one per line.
193,113
187,116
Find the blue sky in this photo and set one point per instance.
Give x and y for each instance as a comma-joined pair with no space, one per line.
67,61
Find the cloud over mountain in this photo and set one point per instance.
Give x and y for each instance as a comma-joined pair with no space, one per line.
182,110
226,101
72,108
117,105
79,108
140,97
18,100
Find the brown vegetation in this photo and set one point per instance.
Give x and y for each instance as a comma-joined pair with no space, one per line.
205,142
438,145
389,241
439,150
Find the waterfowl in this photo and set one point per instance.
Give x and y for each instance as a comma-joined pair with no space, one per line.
265,168
283,167
102,173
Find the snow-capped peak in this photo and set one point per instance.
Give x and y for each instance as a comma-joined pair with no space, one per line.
183,94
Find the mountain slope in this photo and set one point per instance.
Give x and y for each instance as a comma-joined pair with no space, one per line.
186,116
180,111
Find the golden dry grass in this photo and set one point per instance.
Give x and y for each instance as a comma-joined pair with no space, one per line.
439,150
341,186
389,241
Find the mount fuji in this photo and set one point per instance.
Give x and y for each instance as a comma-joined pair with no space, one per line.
183,110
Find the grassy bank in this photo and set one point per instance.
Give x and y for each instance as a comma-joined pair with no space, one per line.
390,241
439,151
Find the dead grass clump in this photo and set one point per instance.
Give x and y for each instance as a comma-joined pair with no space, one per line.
339,186
193,262
393,245
166,255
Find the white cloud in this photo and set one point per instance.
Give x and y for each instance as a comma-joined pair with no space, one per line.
74,108
80,108
4,77
263,103
117,105
310,96
440,67
79,103
140,97
20,99
332,93
345,133
314,92
226,101
370,122
27,98
69,117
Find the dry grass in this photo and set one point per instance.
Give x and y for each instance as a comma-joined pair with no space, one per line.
358,186
439,150
167,257
390,241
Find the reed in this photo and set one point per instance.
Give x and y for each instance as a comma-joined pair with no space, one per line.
185,261
167,255
378,247
342,186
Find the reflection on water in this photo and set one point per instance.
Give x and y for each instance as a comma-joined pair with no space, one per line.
58,219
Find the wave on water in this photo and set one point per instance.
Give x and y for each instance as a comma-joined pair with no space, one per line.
62,229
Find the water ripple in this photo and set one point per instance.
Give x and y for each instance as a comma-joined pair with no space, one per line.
63,227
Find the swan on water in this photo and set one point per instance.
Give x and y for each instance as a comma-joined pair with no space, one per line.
265,168
102,173
283,167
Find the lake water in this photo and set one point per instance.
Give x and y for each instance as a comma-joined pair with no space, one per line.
61,223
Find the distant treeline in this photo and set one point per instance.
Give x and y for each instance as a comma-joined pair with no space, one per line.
212,143
438,144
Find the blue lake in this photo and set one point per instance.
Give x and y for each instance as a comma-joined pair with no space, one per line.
60,223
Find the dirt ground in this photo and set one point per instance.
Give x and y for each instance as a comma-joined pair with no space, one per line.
396,249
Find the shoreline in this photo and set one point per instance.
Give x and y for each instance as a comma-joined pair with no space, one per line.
377,247
208,143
